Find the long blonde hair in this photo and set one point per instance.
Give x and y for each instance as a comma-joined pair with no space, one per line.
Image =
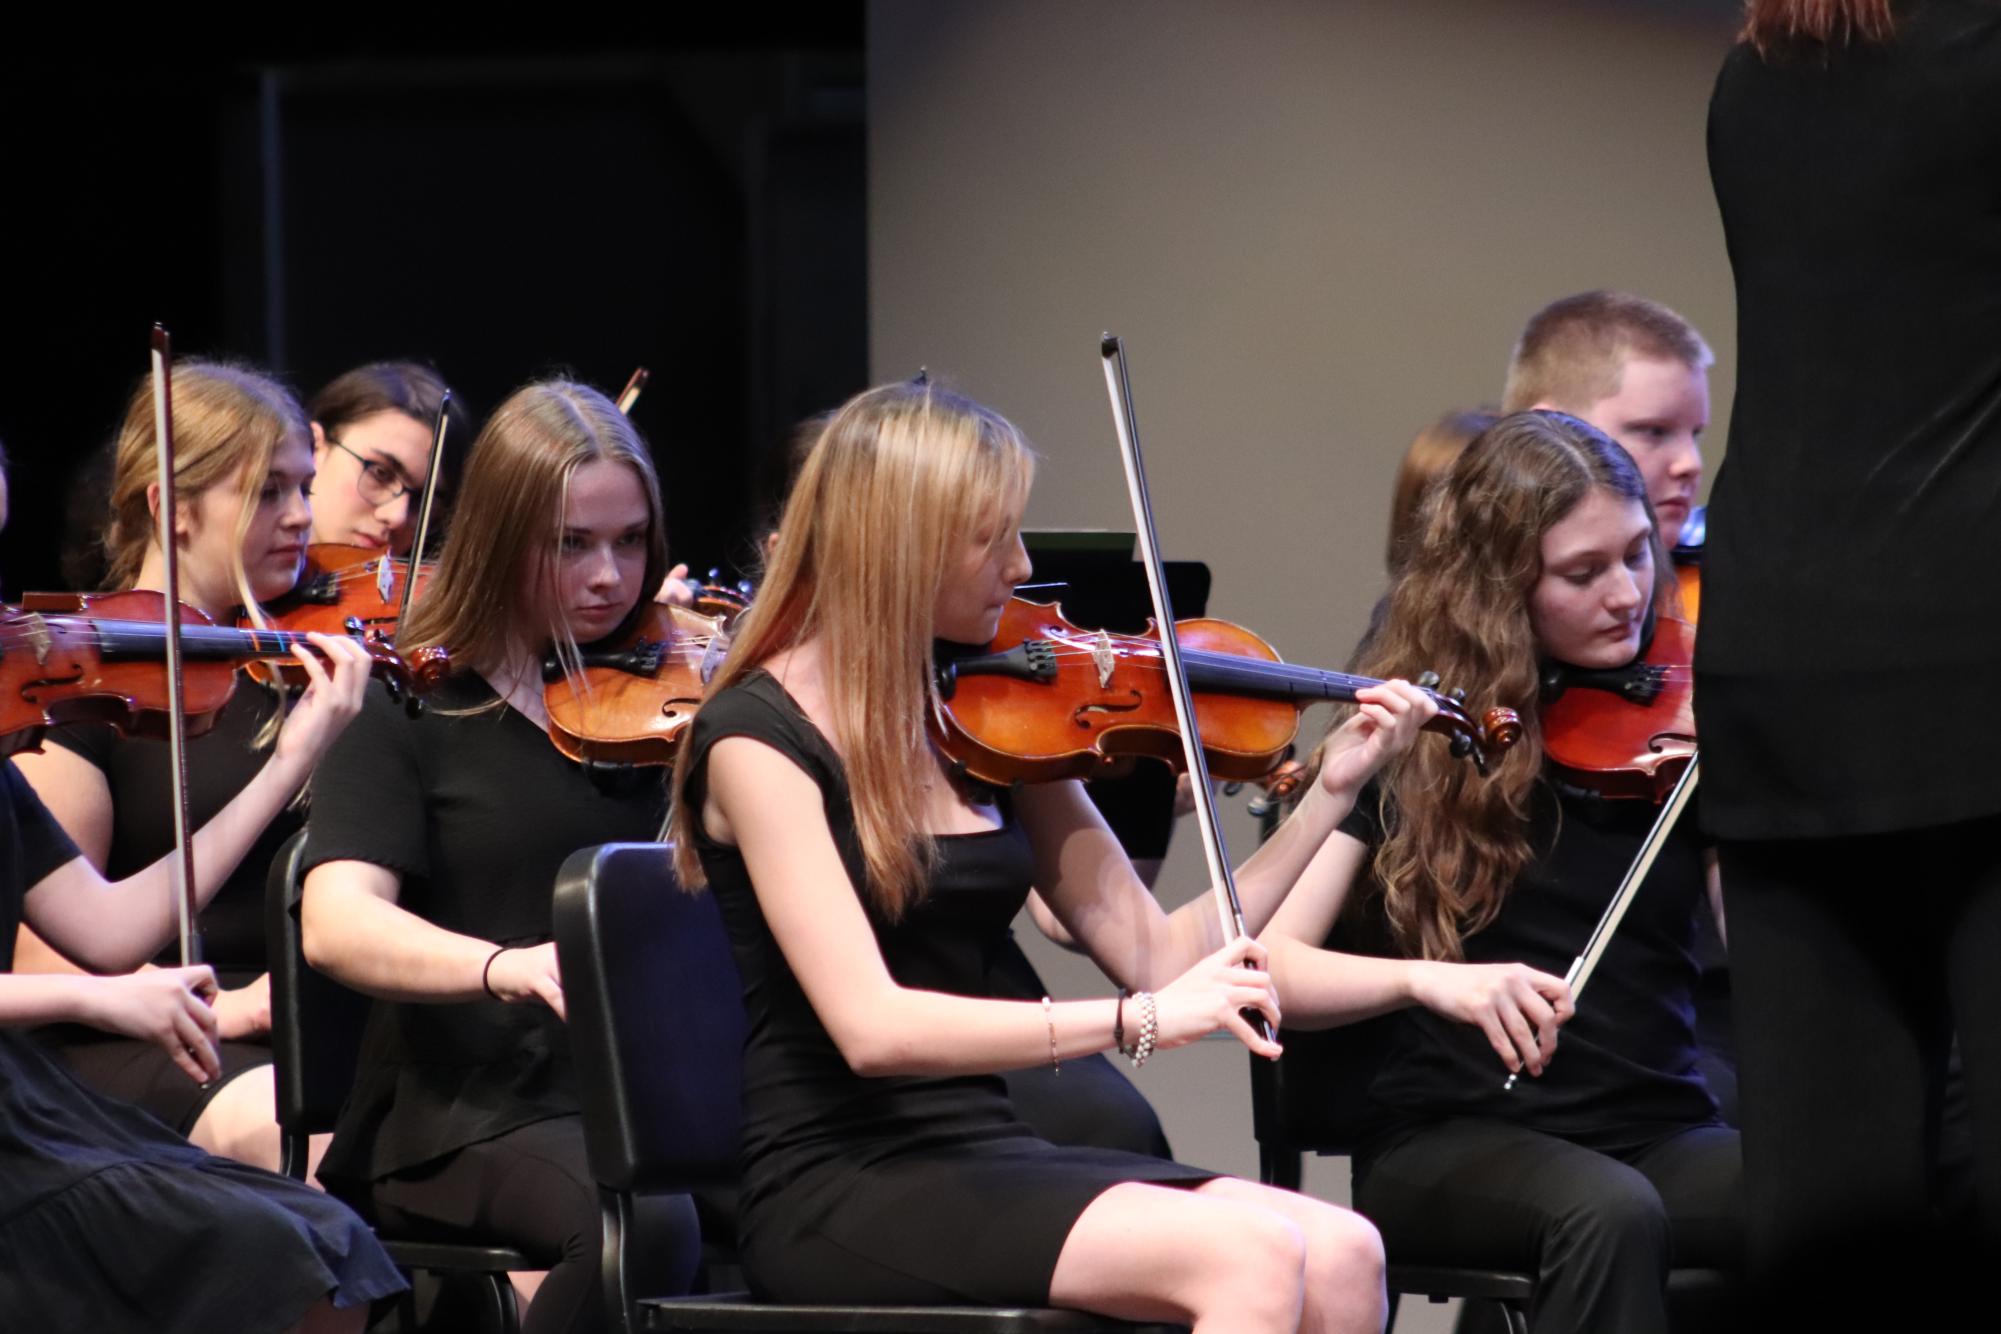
1454,843
886,499
228,421
509,521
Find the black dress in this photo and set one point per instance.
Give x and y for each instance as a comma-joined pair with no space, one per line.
894,1189
108,1221
221,762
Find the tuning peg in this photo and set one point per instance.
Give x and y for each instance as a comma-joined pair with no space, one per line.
1427,680
1457,694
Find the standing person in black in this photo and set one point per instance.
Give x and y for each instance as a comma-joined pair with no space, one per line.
1462,900
433,848
244,463
866,891
1855,147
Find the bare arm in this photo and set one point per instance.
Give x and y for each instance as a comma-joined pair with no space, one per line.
354,930
1518,1008
166,1006
76,793
768,807
1092,888
113,927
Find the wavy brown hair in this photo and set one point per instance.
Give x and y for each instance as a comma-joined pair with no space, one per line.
1455,842
893,487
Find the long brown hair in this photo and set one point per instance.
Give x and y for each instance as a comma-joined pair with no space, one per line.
1431,452
890,491
228,421
1771,25
1455,842
509,522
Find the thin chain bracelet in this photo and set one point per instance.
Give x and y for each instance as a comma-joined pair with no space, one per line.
1049,1017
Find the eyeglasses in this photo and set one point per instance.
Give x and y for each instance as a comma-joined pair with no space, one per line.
378,483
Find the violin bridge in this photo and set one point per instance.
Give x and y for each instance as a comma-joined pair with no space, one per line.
1106,657
38,637
385,579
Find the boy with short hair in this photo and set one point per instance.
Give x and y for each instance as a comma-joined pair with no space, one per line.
1638,372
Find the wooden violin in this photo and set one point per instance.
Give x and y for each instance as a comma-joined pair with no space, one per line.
346,590
1630,731
1049,699
74,657
634,696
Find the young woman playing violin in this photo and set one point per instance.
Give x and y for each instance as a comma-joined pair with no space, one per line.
866,890
1467,900
111,1221
372,433
243,460
434,844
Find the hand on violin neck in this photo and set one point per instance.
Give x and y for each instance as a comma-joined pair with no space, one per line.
1387,721
331,701
675,590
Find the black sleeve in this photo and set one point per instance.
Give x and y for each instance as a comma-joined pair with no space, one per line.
368,793
91,741
1365,823
41,845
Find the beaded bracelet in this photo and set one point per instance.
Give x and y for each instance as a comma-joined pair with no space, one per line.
1049,1017
1149,1029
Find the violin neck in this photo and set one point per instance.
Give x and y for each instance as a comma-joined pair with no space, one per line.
1228,673
201,643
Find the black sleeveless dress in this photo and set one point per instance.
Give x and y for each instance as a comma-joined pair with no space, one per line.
896,1189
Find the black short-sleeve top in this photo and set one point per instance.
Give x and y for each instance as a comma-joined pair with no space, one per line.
1625,1063
476,812
33,846
221,763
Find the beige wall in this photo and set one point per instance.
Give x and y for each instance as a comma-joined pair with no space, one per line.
1316,225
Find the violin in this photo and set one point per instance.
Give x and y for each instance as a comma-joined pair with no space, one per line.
75,657
1626,733
1048,699
635,696
345,590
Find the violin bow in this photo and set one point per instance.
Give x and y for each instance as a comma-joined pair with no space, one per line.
182,874
630,394
1118,384
1586,963
424,512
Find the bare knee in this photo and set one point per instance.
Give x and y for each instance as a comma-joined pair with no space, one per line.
239,1122
1344,1250
1263,1274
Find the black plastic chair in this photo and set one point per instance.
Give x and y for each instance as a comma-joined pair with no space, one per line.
316,1026
658,1027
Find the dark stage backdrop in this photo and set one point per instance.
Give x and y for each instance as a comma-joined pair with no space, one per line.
691,200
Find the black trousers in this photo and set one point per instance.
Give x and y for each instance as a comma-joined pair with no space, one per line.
1854,960
1599,1231
531,1189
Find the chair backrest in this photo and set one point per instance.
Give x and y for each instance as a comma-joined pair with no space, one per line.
316,1022
1315,1097
656,1020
